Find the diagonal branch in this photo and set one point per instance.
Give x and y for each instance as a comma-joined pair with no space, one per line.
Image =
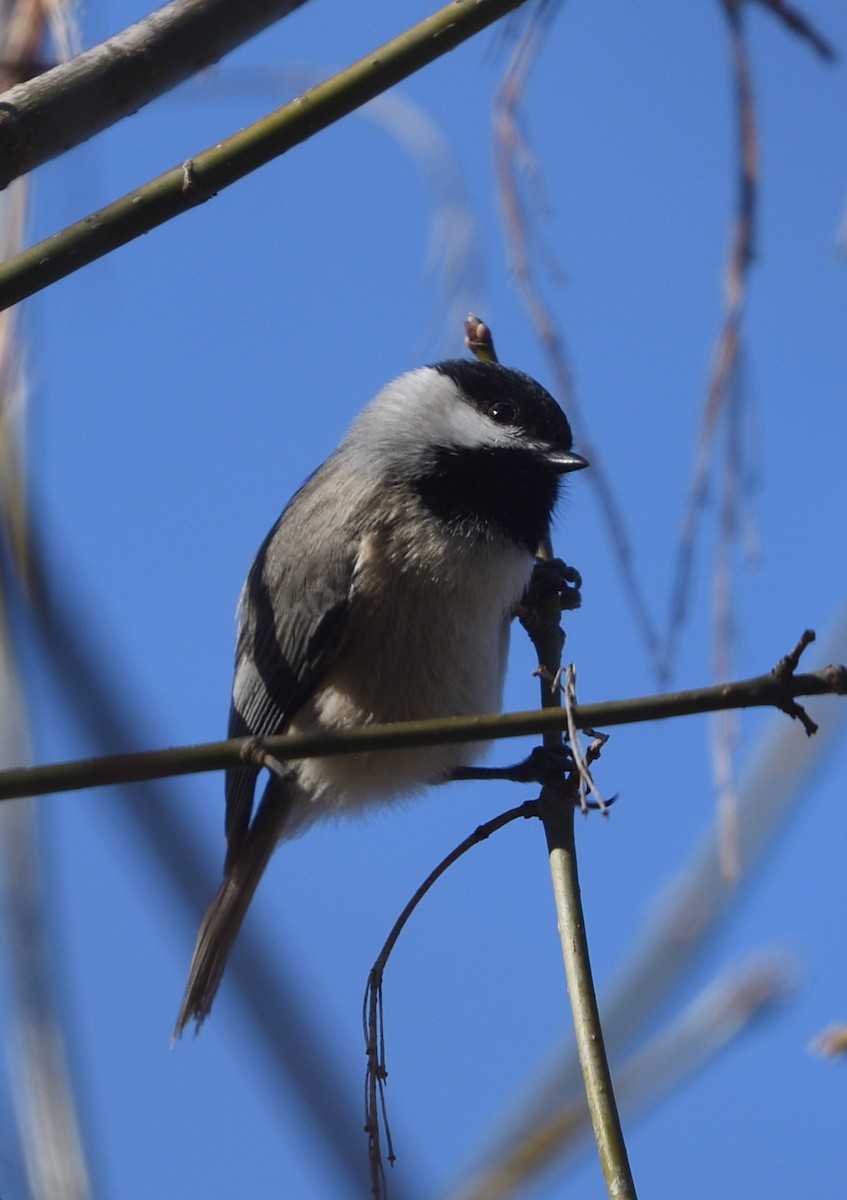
200,178
70,103
797,23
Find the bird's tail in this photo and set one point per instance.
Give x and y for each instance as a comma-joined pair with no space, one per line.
226,913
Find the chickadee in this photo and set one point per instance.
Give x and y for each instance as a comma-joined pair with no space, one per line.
384,592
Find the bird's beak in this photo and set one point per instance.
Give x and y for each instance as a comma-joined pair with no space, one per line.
567,462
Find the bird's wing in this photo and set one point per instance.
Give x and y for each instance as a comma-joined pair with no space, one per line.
292,616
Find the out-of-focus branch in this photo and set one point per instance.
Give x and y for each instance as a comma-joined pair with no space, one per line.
794,20
287,1023
761,691
72,102
200,178
43,1087
714,1019
513,158
728,346
42,1084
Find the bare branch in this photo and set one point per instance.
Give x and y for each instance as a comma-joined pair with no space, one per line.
72,102
761,691
715,1017
202,177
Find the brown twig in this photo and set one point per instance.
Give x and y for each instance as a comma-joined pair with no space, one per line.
581,759
511,157
728,346
783,673
794,20
376,1119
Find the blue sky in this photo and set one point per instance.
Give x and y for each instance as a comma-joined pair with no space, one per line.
184,387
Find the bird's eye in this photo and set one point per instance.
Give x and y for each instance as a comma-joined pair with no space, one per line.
503,412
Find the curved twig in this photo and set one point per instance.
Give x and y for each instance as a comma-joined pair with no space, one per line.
376,1119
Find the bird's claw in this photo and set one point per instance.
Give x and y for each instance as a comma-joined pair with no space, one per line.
553,577
553,584
546,765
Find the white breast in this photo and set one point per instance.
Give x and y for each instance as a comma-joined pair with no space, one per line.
426,638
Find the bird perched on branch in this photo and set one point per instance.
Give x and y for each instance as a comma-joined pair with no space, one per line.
384,592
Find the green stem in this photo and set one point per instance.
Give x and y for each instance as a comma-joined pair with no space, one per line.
558,812
558,822
199,179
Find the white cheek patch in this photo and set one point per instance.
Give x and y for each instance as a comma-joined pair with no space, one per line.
465,426
426,409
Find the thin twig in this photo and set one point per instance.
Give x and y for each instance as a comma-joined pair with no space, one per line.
557,808
761,691
581,761
376,1119
728,345
802,26
200,178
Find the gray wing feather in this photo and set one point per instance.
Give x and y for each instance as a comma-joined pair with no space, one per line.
292,617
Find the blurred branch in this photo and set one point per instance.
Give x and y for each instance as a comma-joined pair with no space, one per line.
832,1042
794,20
44,1095
41,1082
513,160
287,1026
199,179
728,346
775,690
705,1027
72,102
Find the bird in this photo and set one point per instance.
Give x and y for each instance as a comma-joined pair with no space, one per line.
384,592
